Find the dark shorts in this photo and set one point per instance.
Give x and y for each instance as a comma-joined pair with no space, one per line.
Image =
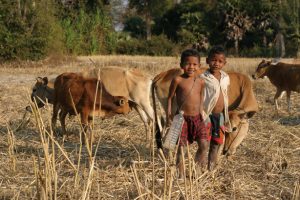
193,128
215,127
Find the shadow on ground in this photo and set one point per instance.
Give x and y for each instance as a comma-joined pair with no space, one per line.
290,121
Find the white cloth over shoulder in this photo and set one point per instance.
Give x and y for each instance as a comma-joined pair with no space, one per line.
212,92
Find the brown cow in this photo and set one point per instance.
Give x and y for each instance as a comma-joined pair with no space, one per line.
73,90
129,83
42,92
285,77
242,102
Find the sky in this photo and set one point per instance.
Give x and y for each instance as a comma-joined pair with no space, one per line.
117,11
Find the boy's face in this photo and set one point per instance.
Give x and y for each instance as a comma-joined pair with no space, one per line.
190,65
216,62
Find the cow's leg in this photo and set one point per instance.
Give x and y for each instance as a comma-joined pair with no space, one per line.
149,111
142,114
91,133
145,105
84,116
288,99
147,108
213,155
281,95
54,115
62,118
278,93
144,118
161,121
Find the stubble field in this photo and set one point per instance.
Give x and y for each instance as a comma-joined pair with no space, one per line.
35,165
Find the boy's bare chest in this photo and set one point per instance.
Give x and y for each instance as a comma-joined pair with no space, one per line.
187,87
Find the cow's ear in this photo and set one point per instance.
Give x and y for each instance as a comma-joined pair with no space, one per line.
39,79
45,80
250,114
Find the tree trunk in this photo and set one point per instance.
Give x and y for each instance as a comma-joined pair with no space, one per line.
265,41
282,46
148,26
297,9
279,45
24,11
19,8
236,46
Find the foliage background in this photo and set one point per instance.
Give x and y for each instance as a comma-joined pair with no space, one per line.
35,29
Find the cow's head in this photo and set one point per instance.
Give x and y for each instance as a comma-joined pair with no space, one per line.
261,69
123,105
239,130
41,93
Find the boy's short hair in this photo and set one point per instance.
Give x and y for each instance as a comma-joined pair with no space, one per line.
215,50
187,53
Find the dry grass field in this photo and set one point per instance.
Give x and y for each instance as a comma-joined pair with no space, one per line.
121,165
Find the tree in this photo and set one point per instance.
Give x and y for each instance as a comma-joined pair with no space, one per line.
295,36
28,29
117,11
186,23
288,25
135,26
236,21
149,9
87,27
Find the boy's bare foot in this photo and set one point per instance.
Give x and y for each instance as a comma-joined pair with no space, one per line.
200,169
180,176
211,166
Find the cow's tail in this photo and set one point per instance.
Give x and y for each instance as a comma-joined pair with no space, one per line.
158,136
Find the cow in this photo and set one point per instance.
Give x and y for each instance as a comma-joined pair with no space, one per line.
242,103
86,96
285,77
42,92
234,137
131,84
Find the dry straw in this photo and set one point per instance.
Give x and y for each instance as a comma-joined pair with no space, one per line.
35,164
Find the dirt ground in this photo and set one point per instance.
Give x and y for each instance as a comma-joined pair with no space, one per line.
265,166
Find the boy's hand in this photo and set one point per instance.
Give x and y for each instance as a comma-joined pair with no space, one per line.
169,119
169,122
204,115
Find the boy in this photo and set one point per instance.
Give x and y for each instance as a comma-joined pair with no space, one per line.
215,104
188,89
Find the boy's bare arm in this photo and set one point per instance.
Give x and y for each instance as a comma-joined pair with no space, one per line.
202,82
171,95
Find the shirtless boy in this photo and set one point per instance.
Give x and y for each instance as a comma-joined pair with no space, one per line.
188,89
215,104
